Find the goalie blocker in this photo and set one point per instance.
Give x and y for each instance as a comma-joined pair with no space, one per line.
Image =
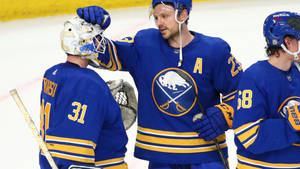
124,94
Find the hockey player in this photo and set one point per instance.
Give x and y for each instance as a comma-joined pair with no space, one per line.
174,70
81,122
267,120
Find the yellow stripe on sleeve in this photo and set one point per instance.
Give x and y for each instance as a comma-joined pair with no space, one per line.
71,149
250,142
229,96
109,161
248,134
73,158
71,140
246,126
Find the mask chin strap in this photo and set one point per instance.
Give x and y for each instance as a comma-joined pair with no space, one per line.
295,54
180,37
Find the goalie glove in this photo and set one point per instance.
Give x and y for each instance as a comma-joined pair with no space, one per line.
124,94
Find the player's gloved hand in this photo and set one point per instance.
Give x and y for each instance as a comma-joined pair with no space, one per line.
293,118
95,15
210,125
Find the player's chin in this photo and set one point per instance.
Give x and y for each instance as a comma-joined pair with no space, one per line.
165,35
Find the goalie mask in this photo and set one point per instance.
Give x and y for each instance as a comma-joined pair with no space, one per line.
83,39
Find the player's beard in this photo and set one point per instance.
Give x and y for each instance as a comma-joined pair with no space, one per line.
169,33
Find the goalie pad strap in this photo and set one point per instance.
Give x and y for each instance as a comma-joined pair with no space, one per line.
293,117
227,111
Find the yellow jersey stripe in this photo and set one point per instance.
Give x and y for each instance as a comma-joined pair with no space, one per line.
111,60
118,63
172,141
167,133
109,162
178,150
108,65
70,140
243,166
250,142
246,126
229,95
244,136
230,98
121,166
72,157
71,149
267,164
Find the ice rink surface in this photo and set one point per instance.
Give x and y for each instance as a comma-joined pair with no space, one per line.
30,46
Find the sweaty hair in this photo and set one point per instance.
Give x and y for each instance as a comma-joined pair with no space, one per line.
272,50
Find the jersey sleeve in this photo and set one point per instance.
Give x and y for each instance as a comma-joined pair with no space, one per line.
227,72
226,76
119,55
252,127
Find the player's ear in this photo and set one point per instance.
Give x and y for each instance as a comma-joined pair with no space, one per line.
183,15
287,41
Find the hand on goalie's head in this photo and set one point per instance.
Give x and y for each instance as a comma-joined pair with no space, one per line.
95,15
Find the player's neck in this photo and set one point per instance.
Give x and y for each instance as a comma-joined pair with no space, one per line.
187,37
281,62
83,63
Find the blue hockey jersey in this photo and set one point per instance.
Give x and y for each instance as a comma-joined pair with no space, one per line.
81,122
167,93
263,136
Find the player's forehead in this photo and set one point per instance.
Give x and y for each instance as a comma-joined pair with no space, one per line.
163,9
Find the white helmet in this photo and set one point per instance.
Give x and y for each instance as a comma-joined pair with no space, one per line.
82,38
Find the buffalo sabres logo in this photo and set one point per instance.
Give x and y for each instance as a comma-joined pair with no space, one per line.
173,91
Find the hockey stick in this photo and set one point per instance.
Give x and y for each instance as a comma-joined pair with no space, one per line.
32,127
185,77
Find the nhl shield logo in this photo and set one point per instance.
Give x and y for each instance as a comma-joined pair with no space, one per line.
173,91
